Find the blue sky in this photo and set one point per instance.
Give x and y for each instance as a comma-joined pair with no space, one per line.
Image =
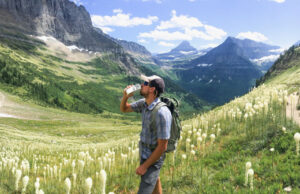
160,25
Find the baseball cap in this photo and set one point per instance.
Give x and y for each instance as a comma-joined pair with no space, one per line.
155,81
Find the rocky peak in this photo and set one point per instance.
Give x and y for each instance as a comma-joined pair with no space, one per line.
61,19
184,46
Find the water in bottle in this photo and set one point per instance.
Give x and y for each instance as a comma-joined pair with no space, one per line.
133,88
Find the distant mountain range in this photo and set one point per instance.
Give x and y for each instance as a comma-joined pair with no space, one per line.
182,53
226,71
91,80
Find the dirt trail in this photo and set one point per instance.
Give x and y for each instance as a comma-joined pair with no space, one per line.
2,109
291,108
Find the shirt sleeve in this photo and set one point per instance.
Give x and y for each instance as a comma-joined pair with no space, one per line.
138,105
163,123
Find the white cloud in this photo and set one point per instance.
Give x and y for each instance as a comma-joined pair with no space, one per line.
156,1
256,36
278,1
181,21
192,0
143,41
187,34
280,50
117,11
106,30
209,46
77,2
186,27
166,44
121,20
214,32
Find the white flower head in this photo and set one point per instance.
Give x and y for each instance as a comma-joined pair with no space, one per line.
248,165
68,185
88,184
25,181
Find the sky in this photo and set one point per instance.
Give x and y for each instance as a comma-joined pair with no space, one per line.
161,25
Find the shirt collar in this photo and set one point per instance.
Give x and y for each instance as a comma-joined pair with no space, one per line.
153,104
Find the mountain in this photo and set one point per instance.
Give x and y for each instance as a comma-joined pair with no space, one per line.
183,47
221,74
262,55
297,43
182,53
51,54
288,60
62,19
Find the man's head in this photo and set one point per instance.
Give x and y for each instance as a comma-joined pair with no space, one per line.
152,85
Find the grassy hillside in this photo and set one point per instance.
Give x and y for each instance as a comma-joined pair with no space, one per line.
211,156
289,59
28,69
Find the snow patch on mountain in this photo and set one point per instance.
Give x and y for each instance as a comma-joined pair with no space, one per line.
204,65
187,52
260,61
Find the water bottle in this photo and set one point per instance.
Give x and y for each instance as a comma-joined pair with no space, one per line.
133,88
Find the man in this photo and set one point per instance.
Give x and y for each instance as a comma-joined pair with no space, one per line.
153,142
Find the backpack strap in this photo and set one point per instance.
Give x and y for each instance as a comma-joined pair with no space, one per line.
153,124
153,115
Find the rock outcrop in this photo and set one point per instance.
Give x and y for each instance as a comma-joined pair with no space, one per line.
61,19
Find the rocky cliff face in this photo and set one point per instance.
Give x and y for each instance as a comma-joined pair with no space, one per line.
61,19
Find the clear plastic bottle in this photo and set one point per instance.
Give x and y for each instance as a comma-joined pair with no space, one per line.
133,88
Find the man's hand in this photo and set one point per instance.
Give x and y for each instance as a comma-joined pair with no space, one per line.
141,170
125,94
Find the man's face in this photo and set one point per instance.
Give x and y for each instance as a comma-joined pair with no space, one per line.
144,89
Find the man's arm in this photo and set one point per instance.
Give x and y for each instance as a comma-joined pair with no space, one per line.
125,106
156,154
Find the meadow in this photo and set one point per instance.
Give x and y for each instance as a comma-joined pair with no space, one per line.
248,145
211,156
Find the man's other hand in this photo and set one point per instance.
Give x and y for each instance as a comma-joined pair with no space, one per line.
141,170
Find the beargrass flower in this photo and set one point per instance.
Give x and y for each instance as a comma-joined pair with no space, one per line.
102,181
212,138
248,166
18,176
283,129
88,185
297,139
251,173
68,185
25,181
37,185
74,179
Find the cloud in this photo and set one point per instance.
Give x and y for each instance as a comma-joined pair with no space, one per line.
106,30
166,44
209,46
121,20
165,35
256,36
77,2
184,28
192,0
278,1
214,32
142,41
181,21
117,11
156,1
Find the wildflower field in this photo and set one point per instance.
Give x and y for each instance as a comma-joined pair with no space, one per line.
245,146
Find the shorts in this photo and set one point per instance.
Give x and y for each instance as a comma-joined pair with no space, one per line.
148,180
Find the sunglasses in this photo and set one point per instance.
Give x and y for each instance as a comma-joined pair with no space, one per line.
146,83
